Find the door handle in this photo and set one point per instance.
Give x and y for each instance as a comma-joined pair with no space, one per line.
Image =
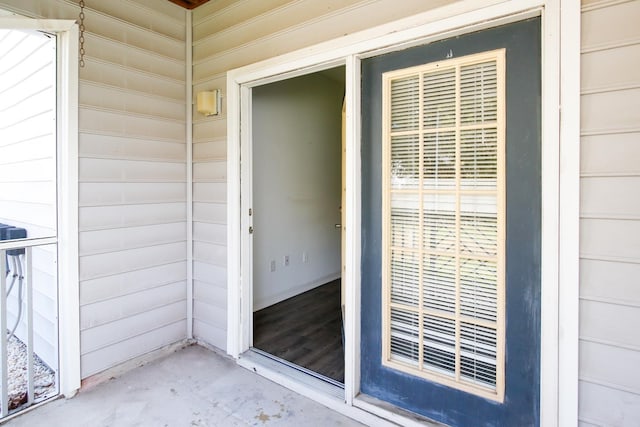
338,225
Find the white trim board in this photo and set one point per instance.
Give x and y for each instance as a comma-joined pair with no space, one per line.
560,157
189,138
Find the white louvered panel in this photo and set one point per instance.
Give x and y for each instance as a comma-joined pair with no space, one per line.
478,93
404,104
439,160
439,99
478,354
439,283
405,169
478,292
439,225
439,345
404,221
444,222
478,225
405,345
479,158
404,276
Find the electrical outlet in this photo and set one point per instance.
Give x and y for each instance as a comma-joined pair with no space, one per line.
285,261
305,257
272,267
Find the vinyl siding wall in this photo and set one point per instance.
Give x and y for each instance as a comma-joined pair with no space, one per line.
132,172
228,34
609,388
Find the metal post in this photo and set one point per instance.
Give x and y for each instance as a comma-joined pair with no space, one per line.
4,382
29,323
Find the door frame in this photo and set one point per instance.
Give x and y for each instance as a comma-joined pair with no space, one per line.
67,78
560,181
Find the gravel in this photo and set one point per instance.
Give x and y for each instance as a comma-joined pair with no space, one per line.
43,378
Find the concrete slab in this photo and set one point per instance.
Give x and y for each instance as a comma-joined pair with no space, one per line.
192,387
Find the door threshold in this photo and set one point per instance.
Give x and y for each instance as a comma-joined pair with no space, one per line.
298,367
292,371
328,393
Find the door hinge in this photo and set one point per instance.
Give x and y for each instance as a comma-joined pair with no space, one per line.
250,230
250,211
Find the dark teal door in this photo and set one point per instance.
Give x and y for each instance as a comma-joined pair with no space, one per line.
435,399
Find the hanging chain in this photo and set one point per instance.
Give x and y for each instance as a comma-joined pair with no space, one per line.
81,40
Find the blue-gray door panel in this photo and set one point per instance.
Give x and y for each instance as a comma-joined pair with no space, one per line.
523,177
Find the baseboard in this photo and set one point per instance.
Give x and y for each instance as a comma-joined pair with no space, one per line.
136,362
274,299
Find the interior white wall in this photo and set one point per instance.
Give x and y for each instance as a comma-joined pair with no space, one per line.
297,127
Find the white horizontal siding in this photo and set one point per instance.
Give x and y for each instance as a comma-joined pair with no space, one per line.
126,261
610,155
610,322
106,194
598,75
102,96
125,56
125,123
215,150
96,316
598,117
156,336
125,216
126,77
609,387
120,239
610,281
128,148
110,170
611,239
132,172
210,213
604,406
131,282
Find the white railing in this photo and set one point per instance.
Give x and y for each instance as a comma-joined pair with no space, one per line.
19,281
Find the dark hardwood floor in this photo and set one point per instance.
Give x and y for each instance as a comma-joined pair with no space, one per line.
305,330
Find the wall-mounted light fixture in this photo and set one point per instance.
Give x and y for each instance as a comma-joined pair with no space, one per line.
208,102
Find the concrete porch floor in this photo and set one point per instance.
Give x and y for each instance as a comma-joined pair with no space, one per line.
191,387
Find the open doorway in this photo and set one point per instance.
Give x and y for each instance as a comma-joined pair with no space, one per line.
297,186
